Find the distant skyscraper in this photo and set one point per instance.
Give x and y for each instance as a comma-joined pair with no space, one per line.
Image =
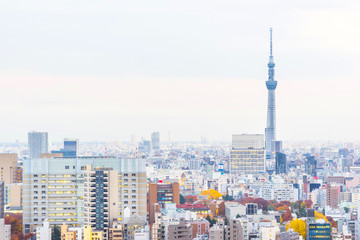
38,143
278,146
271,113
311,165
155,141
71,146
247,154
280,163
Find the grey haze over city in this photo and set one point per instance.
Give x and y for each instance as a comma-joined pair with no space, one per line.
194,68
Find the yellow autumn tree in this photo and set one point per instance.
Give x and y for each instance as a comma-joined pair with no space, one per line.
298,225
204,192
320,216
212,194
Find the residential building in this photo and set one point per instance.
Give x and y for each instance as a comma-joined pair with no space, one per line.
200,227
332,196
142,234
8,167
234,231
66,234
217,232
5,230
278,191
90,234
288,236
116,232
100,198
247,154
180,231
43,232
54,189
234,209
38,143
13,196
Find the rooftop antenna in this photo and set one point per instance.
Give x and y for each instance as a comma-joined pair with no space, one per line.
270,41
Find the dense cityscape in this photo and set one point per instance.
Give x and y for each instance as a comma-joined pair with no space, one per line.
253,187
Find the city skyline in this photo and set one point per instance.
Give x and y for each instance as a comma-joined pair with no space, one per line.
202,76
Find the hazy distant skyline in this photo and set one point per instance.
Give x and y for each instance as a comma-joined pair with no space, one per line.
103,70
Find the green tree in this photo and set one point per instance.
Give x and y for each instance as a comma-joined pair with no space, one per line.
56,233
238,216
323,211
270,207
212,221
191,200
182,199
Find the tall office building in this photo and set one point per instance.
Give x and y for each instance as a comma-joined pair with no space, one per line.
247,154
161,193
54,189
155,141
271,84
280,163
38,143
71,146
311,165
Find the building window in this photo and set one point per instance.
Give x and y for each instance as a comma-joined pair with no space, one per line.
67,167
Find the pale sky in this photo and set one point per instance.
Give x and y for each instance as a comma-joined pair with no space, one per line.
103,70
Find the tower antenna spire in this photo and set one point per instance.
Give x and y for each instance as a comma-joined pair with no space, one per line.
270,41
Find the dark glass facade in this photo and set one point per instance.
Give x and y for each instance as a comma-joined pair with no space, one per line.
281,164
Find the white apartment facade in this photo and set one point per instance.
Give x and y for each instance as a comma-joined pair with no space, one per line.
53,189
247,155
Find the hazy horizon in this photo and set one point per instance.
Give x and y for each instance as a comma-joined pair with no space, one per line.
104,72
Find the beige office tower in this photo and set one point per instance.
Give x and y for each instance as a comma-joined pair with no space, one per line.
101,195
8,167
247,155
53,189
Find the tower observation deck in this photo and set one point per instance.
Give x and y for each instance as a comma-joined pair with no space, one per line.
270,130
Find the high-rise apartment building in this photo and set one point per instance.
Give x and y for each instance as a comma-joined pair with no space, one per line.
53,189
332,196
100,198
38,143
247,154
155,141
271,84
8,167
